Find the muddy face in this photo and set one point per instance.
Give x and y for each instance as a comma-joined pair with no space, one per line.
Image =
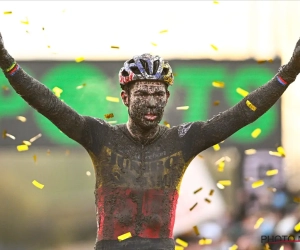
146,103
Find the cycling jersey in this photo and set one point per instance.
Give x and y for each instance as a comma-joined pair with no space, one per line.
137,184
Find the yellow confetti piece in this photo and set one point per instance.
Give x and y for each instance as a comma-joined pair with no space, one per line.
112,122
81,86
110,115
21,118
250,105
261,61
5,88
179,248
163,31
207,200
200,156
216,103
267,247
4,134
27,143
22,148
79,59
258,223
57,91
37,184
275,153
221,166
114,47
205,241
220,186
199,189
272,172
216,147
214,47
218,84
215,2
167,124
193,206
225,182
88,173
242,92
270,60
256,133
154,44
297,227
35,137
196,230
25,22
112,99
181,242
211,192
296,199
258,183
34,158
7,12
250,151
281,151
183,108
233,247
124,236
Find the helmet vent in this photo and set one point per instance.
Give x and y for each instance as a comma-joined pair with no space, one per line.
130,61
165,71
145,66
135,70
155,66
125,73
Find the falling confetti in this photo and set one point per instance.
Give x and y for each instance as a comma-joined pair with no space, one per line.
154,44
207,200
270,60
215,2
88,173
5,88
297,227
233,247
21,148
225,182
35,137
211,192
220,186
242,92
112,122
196,230
57,91
163,31
181,242
179,248
81,86
37,184
281,151
205,241
250,151
258,183
124,236
267,247
183,108
248,178
34,158
4,134
296,199
114,47
272,172
167,124
21,118
221,166
256,133
258,223
200,156
110,115
272,189
199,189
214,47
193,206
7,12
275,153
27,143
112,99
218,84
25,22
261,61
216,103
79,59
250,105
216,147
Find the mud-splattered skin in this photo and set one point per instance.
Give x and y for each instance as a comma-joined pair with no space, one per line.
139,167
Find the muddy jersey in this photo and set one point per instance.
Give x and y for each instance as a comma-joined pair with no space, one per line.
137,184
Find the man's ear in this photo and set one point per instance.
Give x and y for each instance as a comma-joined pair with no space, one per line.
125,97
168,95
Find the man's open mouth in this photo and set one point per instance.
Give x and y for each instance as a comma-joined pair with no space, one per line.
150,117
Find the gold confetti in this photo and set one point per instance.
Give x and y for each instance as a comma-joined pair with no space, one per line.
281,151
21,118
272,172
272,189
124,236
256,133
25,22
215,2
48,46
181,242
88,173
81,86
34,158
220,186
250,105
207,200
163,31
221,166
193,206
5,88
35,137
205,241
267,247
242,92
270,60
183,108
57,91
7,12
258,223
37,184
223,159
258,183
167,124
211,192
216,103
22,148
218,84
199,189
216,147
233,247
154,44
27,143
200,156
214,47
112,122
4,134
196,230
179,248
48,151
79,59
296,199
225,182
110,115
275,153
112,99
297,227
250,151
261,61
114,47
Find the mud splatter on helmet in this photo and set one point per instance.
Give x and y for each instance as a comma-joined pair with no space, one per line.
146,67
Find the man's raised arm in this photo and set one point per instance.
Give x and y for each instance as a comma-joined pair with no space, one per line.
251,107
42,99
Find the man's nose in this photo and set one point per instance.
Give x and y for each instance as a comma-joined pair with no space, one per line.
151,102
